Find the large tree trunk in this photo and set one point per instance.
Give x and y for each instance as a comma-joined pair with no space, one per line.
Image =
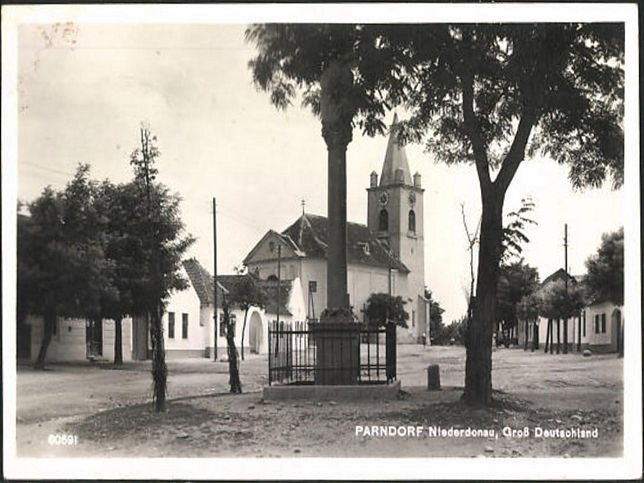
337,113
548,331
565,336
159,368
49,322
118,342
478,369
243,332
527,331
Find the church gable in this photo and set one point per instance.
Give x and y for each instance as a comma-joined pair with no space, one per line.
267,248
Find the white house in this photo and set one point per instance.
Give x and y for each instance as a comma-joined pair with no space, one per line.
598,327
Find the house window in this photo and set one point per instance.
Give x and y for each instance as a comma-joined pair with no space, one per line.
171,325
583,318
383,220
596,323
412,221
603,323
184,326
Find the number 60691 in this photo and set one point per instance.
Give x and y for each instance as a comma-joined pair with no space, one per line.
63,439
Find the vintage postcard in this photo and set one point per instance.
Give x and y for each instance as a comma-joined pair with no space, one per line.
348,241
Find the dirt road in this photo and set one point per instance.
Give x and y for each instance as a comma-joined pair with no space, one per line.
109,411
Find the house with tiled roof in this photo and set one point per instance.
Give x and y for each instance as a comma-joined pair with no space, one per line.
279,302
384,256
599,325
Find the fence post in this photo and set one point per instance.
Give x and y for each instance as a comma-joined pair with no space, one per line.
390,351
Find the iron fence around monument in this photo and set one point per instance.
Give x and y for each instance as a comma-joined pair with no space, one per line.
293,353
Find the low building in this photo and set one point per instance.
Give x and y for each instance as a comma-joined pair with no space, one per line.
598,327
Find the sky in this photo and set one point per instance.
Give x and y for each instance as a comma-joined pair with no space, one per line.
85,89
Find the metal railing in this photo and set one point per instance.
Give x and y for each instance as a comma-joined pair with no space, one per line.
293,353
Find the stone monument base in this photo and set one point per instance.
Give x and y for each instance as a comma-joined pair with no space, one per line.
337,351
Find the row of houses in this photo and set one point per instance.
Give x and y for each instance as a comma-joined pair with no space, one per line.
598,327
188,324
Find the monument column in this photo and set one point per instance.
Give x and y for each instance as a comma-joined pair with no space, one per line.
337,338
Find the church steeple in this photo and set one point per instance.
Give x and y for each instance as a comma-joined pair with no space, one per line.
395,169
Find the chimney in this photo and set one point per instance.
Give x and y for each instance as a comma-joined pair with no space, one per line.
417,179
373,179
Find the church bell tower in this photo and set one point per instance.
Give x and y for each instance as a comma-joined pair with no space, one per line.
395,216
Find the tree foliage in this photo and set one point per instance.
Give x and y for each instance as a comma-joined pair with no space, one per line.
560,301
516,281
382,308
605,279
61,269
514,235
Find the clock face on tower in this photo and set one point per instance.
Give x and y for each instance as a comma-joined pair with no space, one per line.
384,198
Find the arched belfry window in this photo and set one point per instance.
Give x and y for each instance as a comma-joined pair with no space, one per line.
412,221
383,220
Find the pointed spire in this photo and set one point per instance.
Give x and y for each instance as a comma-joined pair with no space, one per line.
395,169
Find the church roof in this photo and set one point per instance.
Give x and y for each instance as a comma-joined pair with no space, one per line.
309,234
395,159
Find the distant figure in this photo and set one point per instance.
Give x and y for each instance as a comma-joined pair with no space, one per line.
424,339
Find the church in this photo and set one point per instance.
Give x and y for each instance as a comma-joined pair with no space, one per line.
384,256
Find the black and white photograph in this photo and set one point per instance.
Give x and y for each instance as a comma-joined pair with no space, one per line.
348,241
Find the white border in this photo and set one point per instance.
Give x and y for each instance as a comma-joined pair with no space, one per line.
630,466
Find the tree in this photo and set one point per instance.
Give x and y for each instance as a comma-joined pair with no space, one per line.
516,281
605,279
163,246
62,270
488,94
560,300
514,232
382,308
436,326
233,354
246,293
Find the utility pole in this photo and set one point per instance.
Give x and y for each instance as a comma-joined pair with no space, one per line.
214,237
279,281
565,334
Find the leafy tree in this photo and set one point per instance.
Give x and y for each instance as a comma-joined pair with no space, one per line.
382,308
560,300
488,94
605,279
163,247
246,293
436,325
516,281
62,270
